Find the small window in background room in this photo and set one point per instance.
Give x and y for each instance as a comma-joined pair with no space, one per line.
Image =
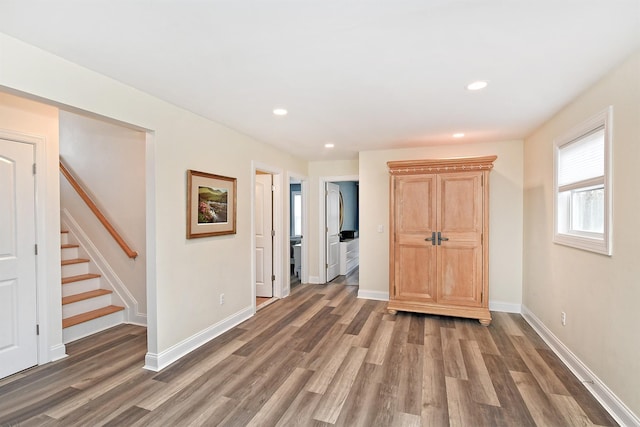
297,213
582,162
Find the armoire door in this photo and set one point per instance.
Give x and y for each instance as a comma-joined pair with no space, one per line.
415,256
460,223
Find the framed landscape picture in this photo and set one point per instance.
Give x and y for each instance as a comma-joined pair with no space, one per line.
211,204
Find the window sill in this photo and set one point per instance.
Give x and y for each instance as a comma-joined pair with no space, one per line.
598,246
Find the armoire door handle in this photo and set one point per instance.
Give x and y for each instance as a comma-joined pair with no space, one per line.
441,239
431,239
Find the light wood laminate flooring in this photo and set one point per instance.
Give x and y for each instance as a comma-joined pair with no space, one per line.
317,358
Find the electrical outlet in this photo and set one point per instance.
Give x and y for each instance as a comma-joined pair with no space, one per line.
563,318
221,299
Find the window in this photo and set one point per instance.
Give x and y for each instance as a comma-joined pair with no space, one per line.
297,213
583,185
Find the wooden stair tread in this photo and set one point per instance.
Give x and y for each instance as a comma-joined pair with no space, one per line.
85,295
69,246
79,277
90,315
64,231
74,261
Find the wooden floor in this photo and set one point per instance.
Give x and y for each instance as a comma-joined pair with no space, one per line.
320,357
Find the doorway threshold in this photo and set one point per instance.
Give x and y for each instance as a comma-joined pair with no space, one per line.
263,302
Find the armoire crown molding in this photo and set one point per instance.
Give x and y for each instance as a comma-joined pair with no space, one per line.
455,164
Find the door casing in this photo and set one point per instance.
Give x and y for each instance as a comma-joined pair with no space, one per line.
304,273
278,226
50,347
18,265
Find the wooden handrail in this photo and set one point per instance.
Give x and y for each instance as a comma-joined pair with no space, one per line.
84,196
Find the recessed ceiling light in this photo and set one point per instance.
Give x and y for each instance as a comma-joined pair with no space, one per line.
477,85
329,145
458,135
280,112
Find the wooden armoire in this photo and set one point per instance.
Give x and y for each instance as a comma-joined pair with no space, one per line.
439,237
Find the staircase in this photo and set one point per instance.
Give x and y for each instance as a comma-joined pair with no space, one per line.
87,307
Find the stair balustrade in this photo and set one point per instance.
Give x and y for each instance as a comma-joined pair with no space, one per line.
96,211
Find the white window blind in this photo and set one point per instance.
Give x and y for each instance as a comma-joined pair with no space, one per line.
297,214
582,160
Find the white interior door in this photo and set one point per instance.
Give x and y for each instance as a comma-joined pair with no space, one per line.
333,230
18,339
264,237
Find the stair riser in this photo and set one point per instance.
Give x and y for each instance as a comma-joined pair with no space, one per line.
80,286
75,269
90,304
64,238
68,253
92,326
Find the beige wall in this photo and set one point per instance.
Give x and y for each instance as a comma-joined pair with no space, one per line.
32,118
600,294
505,232
185,277
109,161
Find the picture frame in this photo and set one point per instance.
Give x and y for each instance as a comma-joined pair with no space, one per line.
211,204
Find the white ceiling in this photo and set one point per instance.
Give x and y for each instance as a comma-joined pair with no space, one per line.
364,75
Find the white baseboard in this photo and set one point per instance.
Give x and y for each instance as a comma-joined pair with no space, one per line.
507,307
57,352
618,410
138,319
156,362
315,280
376,295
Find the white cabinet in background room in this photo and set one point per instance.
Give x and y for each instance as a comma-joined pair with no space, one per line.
297,257
349,255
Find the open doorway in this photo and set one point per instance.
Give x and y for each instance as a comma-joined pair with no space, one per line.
339,212
297,263
267,270
103,224
264,234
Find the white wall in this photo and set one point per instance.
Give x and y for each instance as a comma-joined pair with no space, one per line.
600,294
185,277
505,226
32,118
109,162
